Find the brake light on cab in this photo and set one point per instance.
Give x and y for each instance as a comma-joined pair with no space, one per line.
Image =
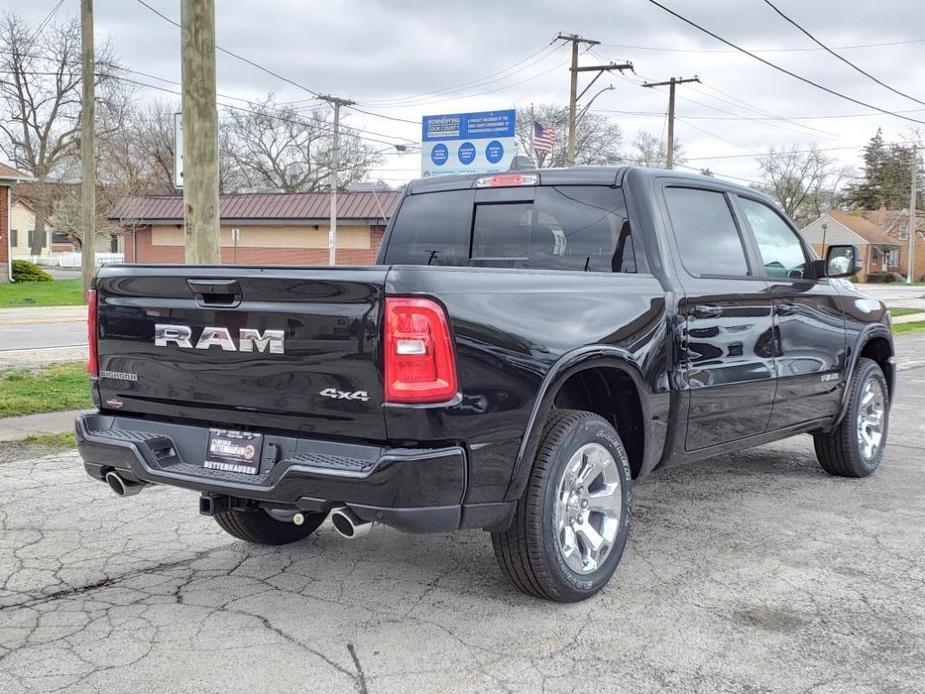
420,366
93,367
507,179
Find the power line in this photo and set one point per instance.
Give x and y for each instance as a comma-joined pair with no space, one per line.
496,76
784,70
751,108
267,70
44,22
841,57
233,54
255,104
282,119
758,50
661,114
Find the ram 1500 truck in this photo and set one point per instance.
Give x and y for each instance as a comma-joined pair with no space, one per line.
529,345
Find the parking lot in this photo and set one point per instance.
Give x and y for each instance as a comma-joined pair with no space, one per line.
753,572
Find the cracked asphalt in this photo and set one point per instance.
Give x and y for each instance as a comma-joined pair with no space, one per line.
753,572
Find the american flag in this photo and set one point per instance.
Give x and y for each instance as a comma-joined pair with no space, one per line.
544,137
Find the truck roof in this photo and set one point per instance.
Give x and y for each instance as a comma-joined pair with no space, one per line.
577,175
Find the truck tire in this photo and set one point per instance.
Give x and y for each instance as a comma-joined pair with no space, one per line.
570,527
261,528
855,447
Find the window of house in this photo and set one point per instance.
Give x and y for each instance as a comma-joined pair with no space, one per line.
706,232
32,238
14,237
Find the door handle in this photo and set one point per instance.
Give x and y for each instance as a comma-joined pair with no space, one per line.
704,311
785,309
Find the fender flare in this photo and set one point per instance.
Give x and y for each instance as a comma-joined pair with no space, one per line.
868,333
566,366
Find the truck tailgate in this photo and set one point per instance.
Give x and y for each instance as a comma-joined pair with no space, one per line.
285,348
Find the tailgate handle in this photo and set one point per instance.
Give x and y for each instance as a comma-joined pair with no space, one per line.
224,293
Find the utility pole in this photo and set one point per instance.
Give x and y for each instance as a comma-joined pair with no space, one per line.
87,147
574,96
911,226
336,102
671,85
200,133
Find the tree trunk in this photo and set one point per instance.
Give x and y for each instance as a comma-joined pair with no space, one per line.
41,211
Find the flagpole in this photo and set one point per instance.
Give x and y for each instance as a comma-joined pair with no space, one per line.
532,134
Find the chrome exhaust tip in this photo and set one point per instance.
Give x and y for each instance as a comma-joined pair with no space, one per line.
348,524
122,487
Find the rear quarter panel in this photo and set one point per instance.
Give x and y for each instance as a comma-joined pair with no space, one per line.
510,328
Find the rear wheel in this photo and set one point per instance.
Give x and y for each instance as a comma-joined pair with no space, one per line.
855,447
571,525
259,527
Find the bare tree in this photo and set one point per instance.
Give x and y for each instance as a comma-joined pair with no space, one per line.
40,102
802,180
277,147
649,150
597,138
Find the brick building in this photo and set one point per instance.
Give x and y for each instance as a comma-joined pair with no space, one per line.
879,251
8,178
895,224
272,228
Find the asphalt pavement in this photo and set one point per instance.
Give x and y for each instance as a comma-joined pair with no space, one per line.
753,572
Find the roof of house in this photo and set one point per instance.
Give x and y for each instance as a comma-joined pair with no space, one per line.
8,173
863,227
267,207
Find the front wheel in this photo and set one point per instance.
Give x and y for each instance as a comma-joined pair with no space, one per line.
571,525
855,447
259,527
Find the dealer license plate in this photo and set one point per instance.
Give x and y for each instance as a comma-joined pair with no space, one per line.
234,451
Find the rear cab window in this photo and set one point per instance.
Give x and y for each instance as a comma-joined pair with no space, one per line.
574,227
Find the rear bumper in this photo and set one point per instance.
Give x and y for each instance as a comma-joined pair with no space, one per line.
412,489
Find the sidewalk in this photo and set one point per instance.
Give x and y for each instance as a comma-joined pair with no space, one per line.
911,318
42,314
20,428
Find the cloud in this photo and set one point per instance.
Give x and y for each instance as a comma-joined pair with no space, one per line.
381,52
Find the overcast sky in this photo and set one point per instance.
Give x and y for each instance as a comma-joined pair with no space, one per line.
382,53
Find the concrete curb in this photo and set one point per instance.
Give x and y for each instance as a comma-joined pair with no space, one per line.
21,428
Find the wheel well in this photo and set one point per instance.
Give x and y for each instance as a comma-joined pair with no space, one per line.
879,349
610,393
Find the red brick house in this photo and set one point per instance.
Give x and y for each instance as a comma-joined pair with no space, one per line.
261,228
9,177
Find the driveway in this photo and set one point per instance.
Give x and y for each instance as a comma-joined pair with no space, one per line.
753,572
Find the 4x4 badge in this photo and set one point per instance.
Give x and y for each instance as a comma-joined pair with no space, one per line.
335,394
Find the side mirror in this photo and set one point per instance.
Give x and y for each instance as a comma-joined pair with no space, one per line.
842,261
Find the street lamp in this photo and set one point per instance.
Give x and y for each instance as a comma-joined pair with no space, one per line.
588,105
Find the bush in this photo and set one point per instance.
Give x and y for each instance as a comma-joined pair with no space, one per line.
24,271
881,277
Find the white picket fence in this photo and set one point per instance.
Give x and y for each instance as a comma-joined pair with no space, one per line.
74,259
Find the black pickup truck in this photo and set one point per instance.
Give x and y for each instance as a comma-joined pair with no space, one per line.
529,345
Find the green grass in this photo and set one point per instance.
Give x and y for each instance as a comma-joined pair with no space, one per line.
51,389
56,293
900,328
65,440
897,312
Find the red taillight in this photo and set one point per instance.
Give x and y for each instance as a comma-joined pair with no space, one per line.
93,363
419,362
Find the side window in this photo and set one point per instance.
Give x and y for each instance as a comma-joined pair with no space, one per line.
706,232
781,252
14,237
